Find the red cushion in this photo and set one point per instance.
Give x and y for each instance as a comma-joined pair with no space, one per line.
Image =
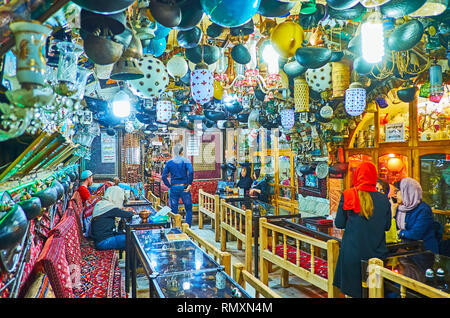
54,263
320,266
68,229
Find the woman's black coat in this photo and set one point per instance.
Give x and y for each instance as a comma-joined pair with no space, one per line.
362,240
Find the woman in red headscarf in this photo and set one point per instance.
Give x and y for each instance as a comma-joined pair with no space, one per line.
365,214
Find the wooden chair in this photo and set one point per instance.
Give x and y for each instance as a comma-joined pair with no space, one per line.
223,257
241,276
320,276
208,204
378,273
238,223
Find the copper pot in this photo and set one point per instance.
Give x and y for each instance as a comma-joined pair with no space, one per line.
144,214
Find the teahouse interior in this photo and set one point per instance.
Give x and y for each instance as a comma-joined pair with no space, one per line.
302,91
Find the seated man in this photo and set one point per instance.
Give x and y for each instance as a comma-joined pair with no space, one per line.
87,180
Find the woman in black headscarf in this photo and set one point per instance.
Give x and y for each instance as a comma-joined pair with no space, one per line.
245,181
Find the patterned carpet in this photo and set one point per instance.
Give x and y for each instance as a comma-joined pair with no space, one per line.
100,274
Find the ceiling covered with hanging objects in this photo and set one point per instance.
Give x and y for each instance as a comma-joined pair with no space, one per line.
151,65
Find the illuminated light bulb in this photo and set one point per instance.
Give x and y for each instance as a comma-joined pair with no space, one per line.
121,105
372,38
270,56
186,285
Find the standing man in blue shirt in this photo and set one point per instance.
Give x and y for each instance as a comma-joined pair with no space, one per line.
181,177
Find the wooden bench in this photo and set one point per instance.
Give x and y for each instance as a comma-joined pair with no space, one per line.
241,276
74,267
208,204
378,273
155,201
238,223
223,257
298,262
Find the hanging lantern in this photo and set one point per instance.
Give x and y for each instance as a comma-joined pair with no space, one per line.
340,73
395,164
286,38
155,79
319,79
355,99
163,111
287,118
301,95
202,84
436,86
177,66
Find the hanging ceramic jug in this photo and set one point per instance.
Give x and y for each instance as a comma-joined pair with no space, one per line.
30,37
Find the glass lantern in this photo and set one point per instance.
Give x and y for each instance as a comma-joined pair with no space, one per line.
67,68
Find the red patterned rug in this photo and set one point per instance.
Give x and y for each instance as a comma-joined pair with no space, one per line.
100,274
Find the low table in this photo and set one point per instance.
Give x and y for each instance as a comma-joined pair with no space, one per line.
178,268
136,224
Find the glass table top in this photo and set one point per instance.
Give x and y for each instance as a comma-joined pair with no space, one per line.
415,265
211,283
260,208
149,237
173,256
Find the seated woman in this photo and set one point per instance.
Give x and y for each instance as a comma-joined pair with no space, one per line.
245,181
102,228
259,188
414,217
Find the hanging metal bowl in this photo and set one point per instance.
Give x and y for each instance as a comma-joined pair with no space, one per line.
407,95
400,8
274,8
104,6
13,226
294,69
102,51
406,36
313,57
347,14
32,207
90,21
167,13
214,115
59,189
48,196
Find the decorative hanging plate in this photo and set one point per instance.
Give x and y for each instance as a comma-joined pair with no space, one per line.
322,170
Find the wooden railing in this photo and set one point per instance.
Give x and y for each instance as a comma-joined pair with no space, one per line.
224,258
238,223
156,202
268,256
378,273
241,276
208,204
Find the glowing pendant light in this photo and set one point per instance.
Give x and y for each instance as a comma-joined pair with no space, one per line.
121,105
270,56
372,38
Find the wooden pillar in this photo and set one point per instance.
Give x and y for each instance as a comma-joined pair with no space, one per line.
237,274
248,240
217,217
332,256
200,206
264,269
223,241
226,262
